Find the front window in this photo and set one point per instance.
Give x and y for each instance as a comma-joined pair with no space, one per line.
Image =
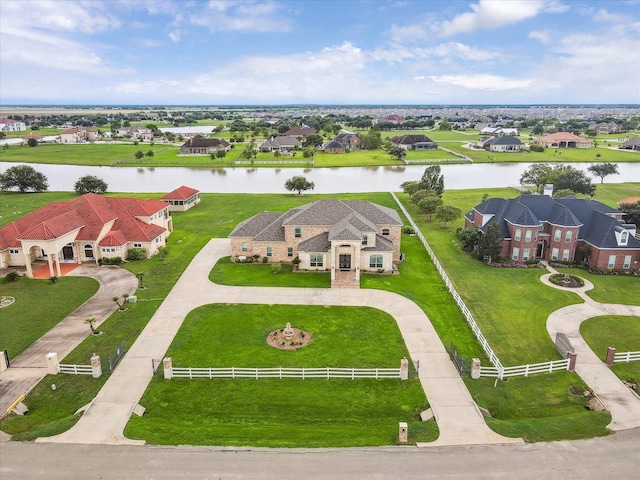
518,235
525,255
627,262
316,260
298,233
567,237
554,254
244,246
14,250
557,235
565,255
375,261
516,254
269,252
137,245
527,236
289,251
612,261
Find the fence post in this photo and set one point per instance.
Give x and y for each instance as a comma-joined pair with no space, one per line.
475,368
167,365
96,366
52,363
572,362
611,355
404,369
403,432
4,361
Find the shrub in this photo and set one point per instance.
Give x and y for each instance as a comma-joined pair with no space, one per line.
536,148
249,260
408,230
53,279
109,261
265,259
296,261
276,268
11,277
136,254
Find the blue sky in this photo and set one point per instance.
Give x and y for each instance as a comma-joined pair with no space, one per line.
223,52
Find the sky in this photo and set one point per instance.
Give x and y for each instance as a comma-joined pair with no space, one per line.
330,52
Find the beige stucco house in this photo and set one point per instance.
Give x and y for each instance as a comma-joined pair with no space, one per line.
86,229
182,199
343,237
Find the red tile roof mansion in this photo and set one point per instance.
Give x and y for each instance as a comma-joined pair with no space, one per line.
84,230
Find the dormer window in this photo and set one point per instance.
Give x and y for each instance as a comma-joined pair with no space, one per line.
624,238
364,240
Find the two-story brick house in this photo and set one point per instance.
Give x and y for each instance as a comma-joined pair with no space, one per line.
538,226
345,237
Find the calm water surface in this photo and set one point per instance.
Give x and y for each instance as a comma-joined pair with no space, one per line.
271,180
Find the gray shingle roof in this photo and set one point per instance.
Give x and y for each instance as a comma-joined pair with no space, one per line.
319,243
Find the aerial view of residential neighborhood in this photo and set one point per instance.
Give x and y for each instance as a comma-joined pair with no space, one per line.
401,240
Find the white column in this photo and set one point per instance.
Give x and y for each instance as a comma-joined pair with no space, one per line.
52,363
167,366
96,366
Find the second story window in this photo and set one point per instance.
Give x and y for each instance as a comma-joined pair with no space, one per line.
297,232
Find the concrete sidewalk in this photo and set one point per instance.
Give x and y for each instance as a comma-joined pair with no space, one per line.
30,366
459,419
622,403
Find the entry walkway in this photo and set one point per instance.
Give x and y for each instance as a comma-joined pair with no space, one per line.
622,403
459,419
30,366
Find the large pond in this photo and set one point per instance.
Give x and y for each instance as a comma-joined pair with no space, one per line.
271,180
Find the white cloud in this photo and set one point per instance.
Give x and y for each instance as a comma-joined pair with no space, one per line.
543,35
242,16
484,82
175,35
491,14
603,15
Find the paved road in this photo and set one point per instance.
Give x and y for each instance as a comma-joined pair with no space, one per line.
28,368
622,403
459,419
615,456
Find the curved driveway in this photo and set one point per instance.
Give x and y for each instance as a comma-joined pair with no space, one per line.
459,419
28,368
622,403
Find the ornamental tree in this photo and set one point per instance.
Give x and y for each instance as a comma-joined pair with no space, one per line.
298,184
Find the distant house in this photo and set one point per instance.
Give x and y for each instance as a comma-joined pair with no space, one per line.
11,125
393,118
204,146
604,127
78,135
499,131
414,142
334,147
343,237
300,132
350,141
628,200
86,229
631,144
538,226
563,140
505,143
135,133
281,144
182,199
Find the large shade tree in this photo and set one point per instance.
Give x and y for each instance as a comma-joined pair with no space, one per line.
90,184
603,170
432,179
490,244
537,174
298,184
25,178
569,178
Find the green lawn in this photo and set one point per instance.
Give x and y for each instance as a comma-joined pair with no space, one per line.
39,306
622,332
289,412
610,288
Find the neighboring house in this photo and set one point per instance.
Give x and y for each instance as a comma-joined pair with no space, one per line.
204,146
604,127
344,237
414,142
499,131
505,143
182,199
350,141
538,226
334,147
84,230
300,132
628,200
631,144
281,144
563,140
78,135
11,125
135,133
393,118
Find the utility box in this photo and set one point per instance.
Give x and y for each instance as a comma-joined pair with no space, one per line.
403,432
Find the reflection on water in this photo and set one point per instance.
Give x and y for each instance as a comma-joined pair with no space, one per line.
271,180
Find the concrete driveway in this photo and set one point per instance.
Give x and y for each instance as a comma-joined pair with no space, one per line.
30,366
459,419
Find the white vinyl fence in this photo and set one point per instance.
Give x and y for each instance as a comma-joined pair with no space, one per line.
626,357
303,373
75,369
497,370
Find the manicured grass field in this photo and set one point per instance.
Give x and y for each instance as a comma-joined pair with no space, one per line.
622,332
39,306
610,288
288,412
